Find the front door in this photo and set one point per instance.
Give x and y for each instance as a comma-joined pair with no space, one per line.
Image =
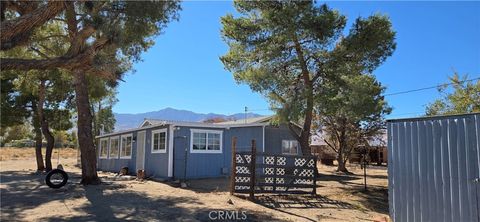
180,157
140,151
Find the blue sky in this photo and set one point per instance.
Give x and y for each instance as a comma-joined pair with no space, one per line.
183,69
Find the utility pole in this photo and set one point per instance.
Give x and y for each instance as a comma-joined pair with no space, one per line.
246,110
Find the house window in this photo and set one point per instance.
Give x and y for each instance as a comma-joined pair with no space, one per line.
206,141
114,147
159,141
104,148
126,148
290,147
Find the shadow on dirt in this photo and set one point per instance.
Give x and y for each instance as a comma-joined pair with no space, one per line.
283,203
23,190
374,199
111,201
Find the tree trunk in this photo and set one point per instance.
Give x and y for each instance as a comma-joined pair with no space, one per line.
50,143
341,159
84,125
94,120
307,125
38,138
342,148
341,164
44,125
304,138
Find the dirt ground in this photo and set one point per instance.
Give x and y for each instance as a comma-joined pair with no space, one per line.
13,153
25,197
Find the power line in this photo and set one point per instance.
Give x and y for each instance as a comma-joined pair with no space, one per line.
405,92
430,87
258,109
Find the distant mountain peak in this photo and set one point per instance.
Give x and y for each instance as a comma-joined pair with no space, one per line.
128,120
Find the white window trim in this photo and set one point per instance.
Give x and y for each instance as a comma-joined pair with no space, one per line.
101,148
121,146
293,154
110,146
206,131
164,150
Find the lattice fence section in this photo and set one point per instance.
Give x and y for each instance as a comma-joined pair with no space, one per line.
274,173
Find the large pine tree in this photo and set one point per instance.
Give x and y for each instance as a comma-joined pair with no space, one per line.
287,50
102,39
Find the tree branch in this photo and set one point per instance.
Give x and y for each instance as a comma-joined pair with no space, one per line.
51,36
330,145
71,19
78,40
16,32
39,52
80,61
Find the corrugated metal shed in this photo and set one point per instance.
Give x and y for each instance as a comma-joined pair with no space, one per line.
434,168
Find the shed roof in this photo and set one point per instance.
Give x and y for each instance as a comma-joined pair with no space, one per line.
431,117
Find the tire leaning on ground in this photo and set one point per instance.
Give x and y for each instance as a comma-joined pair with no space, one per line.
56,178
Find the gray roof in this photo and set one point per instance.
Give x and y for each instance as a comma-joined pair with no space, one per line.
250,122
150,123
261,119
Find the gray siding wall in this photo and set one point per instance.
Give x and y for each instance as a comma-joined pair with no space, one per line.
156,164
199,165
206,165
433,163
116,163
274,136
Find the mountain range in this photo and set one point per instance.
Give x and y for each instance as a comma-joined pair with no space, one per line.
127,121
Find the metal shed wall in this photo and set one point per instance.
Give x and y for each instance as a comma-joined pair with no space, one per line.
433,165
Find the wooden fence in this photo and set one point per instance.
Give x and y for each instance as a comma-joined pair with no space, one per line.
254,172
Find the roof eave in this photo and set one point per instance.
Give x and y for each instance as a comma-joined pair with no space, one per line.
201,125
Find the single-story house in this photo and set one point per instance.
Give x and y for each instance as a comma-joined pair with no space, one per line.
187,150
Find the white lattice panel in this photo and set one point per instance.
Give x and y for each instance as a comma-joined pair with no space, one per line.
269,171
281,161
239,158
303,181
289,170
280,180
242,169
280,171
268,179
300,161
248,158
242,179
270,160
306,173
281,189
311,163
268,188
242,187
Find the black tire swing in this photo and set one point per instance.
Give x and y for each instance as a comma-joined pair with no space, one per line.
56,178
